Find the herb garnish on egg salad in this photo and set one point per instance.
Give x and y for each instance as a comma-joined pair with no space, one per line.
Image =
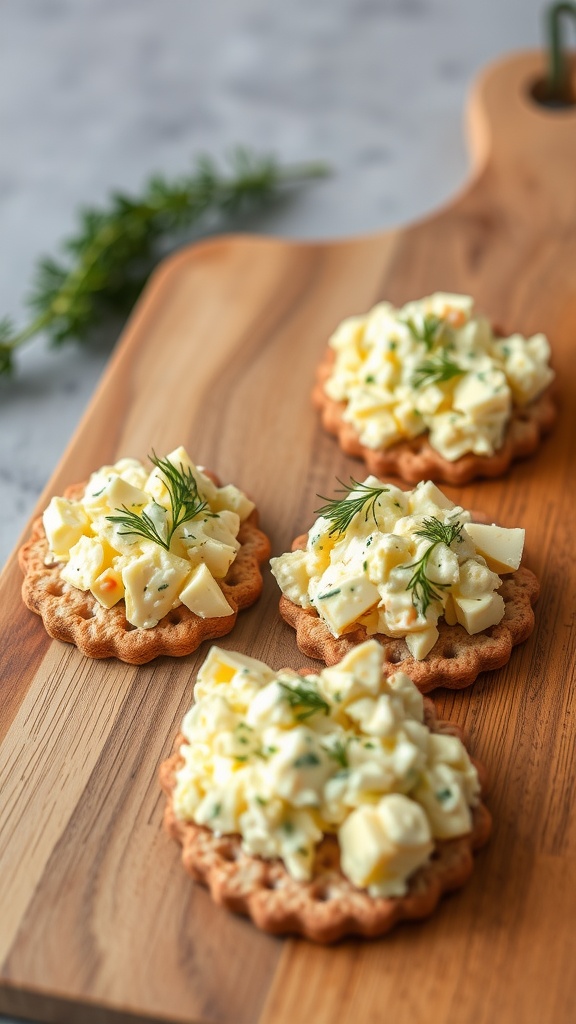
397,561
433,366
283,760
155,539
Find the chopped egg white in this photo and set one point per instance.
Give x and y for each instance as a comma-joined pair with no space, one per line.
434,365
404,560
283,759
114,563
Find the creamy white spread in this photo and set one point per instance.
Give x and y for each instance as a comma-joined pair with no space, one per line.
282,760
434,365
405,559
114,562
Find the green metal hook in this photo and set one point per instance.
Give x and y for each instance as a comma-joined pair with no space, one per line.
558,85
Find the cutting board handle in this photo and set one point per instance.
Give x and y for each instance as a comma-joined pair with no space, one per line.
518,136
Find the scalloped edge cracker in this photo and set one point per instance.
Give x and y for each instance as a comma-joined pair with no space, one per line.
329,907
457,657
77,618
414,460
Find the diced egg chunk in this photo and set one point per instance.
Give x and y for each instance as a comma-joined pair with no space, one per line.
502,548
379,844
442,794
426,497
479,613
217,557
385,553
421,643
230,497
222,526
359,672
152,584
65,522
108,587
340,606
221,666
203,596
117,493
482,394
85,563
291,573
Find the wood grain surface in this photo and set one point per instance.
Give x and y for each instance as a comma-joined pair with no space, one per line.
98,921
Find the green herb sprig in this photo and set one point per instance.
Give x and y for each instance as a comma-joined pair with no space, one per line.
341,511
140,524
185,504
338,751
299,695
430,331
436,370
107,261
423,590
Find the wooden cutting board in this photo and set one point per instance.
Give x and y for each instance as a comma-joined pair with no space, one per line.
97,919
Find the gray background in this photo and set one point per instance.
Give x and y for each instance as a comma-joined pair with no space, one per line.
97,94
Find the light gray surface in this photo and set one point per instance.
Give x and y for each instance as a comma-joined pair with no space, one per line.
96,94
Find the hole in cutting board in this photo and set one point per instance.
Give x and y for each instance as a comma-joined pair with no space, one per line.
540,92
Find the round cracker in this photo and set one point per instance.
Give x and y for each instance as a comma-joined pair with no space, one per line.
76,617
457,657
328,907
415,459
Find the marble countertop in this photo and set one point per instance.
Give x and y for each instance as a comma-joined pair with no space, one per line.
97,94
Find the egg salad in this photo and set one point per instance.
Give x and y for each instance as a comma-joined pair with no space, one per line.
154,539
395,561
283,759
434,365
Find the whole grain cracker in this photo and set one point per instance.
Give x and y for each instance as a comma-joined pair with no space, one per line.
457,657
328,907
76,617
415,459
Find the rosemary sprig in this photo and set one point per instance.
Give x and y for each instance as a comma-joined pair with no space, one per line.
436,370
109,258
423,590
430,331
299,695
185,504
341,511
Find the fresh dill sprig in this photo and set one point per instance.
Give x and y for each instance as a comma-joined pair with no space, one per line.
440,533
436,370
107,261
423,590
430,331
338,751
299,695
185,501
140,524
341,511
185,504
